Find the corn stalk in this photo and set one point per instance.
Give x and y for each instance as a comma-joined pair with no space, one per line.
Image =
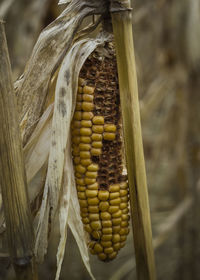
12,175
122,28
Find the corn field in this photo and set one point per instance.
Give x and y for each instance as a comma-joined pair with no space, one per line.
99,141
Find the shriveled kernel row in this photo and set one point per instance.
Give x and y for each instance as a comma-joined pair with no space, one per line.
96,149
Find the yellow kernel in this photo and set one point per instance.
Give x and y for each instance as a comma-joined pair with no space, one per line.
85,139
78,106
93,201
81,189
81,169
116,246
97,129
84,154
83,203
80,89
92,251
112,255
107,224
91,193
102,256
105,216
94,217
116,221
106,237
91,174
114,195
81,82
110,128
76,124
103,206
116,238
75,151
88,228
85,131
106,244
78,175
94,186
96,137
84,210
123,205
87,106
88,90
93,209
96,225
124,199
115,201
103,195
98,248
79,97
85,220
116,229
95,152
88,97
107,230
123,192
122,244
86,123
84,214
109,136
89,181
96,234
114,188
76,160
108,250
87,115
86,162
124,231
113,209
76,140
77,115
117,214
75,131
124,224
123,185
93,167
84,147
125,211
98,120
97,144
123,238
125,217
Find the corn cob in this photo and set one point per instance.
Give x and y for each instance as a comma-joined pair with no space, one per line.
97,156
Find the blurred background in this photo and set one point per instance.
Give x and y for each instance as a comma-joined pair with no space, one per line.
167,46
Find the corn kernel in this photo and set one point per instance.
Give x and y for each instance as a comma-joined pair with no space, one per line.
116,221
85,220
102,256
107,230
124,224
112,255
88,228
93,167
93,201
91,174
96,137
87,115
103,206
76,124
75,131
81,83
114,188
83,203
88,97
97,129
123,192
96,225
85,131
98,120
95,152
77,115
123,238
84,147
76,140
109,136
98,248
109,250
81,169
107,224
114,195
96,234
91,193
81,189
122,244
124,231
93,209
110,128
113,209
84,210
76,160
84,154
88,90
116,238
78,106
115,201
106,244
86,123
123,185
116,229
105,216
106,237
116,246
89,181
125,217
123,205
87,106
97,144
124,199
94,217
86,162
94,186
85,139
117,214
103,195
